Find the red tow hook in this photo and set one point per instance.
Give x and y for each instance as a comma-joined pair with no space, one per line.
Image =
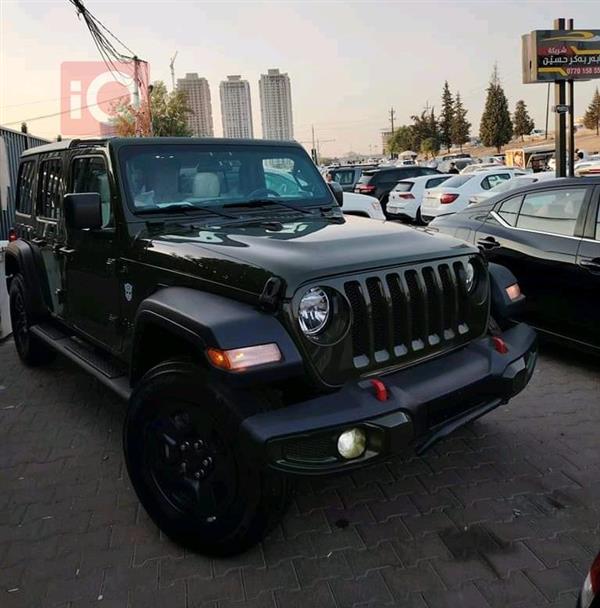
500,345
381,392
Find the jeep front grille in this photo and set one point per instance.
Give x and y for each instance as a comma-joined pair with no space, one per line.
406,313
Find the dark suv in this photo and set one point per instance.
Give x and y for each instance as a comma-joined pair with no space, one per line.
347,176
255,333
380,182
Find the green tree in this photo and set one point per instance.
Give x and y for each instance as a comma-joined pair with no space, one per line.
430,146
591,120
461,127
446,117
164,114
402,139
522,123
424,126
496,126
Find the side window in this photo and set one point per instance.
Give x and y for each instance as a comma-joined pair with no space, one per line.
25,187
49,188
90,175
344,178
435,181
553,211
493,180
509,209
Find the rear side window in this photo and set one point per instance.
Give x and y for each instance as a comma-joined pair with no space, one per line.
365,178
435,181
391,177
509,209
493,180
457,181
343,177
404,186
25,187
554,211
49,188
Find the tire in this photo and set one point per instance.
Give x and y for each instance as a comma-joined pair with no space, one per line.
418,218
189,465
32,351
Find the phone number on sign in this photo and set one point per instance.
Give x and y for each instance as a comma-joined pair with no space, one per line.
582,71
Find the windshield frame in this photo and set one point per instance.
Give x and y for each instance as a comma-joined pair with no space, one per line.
124,153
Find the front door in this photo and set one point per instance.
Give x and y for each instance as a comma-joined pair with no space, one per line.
535,236
91,268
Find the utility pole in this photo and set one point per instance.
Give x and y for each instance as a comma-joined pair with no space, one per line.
547,111
136,96
172,67
571,143
313,150
560,122
392,114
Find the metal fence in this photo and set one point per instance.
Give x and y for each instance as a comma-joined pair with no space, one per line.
12,143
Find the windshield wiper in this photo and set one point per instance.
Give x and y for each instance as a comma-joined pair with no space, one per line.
186,208
257,202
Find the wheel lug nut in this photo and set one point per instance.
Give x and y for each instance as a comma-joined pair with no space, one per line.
197,475
184,446
183,467
198,444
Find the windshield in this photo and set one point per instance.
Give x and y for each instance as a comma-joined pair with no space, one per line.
456,182
178,176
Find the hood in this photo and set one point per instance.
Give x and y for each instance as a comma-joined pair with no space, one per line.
301,251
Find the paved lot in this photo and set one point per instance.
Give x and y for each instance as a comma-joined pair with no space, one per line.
503,514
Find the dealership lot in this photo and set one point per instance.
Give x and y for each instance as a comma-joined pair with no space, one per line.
505,513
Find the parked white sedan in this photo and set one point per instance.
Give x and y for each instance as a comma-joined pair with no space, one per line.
362,205
454,194
406,198
516,182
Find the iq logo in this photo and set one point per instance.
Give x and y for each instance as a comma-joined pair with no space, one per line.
90,92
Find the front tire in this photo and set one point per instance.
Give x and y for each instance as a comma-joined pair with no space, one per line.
32,351
189,465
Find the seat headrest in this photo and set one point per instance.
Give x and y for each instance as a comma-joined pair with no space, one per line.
206,185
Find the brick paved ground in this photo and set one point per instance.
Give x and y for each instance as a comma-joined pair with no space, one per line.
503,514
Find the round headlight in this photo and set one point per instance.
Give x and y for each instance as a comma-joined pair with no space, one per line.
313,312
470,277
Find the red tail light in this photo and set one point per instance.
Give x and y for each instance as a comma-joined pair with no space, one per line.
446,199
12,235
406,195
366,188
591,585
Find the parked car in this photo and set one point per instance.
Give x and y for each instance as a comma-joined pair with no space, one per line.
347,176
475,167
256,333
405,199
548,234
589,597
380,182
516,182
454,194
362,206
459,162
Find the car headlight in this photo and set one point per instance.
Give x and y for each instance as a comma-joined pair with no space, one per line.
470,277
313,311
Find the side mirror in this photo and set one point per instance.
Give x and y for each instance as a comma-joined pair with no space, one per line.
83,210
338,192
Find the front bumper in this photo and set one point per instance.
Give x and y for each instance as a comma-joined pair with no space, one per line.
426,402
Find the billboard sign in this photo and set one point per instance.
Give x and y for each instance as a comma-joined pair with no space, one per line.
550,55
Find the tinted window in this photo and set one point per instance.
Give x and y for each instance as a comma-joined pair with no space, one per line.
509,209
457,181
494,180
90,175
344,177
25,187
391,177
553,211
365,178
435,181
404,186
49,188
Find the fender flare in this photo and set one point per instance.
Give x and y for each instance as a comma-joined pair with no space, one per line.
28,261
503,308
205,320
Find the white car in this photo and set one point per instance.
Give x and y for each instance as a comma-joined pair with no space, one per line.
363,205
454,194
516,182
406,198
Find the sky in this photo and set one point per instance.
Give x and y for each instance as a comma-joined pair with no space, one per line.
349,62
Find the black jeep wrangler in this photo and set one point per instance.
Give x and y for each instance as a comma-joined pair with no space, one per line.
256,332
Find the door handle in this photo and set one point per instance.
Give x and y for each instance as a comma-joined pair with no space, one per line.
66,251
489,242
38,241
591,264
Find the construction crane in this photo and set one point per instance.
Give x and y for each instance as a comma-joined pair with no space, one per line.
172,66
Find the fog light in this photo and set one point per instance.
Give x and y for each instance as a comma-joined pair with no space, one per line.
352,443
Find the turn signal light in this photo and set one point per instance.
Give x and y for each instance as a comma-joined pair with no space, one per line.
513,291
240,359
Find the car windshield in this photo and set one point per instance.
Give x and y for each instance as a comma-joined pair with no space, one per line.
456,182
175,177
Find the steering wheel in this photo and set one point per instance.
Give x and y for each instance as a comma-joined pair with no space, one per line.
263,192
